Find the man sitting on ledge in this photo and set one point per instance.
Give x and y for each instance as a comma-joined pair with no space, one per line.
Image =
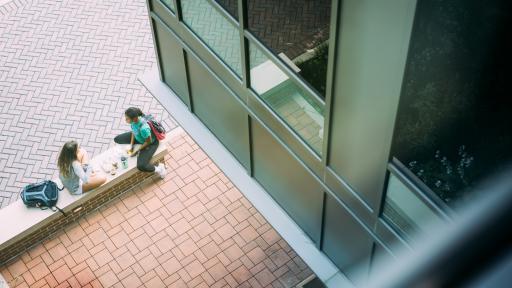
141,134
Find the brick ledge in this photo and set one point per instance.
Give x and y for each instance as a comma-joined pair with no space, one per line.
33,225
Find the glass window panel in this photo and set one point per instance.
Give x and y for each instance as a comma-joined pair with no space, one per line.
405,211
454,126
231,6
297,31
215,30
170,4
288,100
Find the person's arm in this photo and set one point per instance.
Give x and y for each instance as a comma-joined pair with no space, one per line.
82,156
145,132
144,145
79,171
132,140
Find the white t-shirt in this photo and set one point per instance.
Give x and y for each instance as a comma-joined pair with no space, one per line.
82,175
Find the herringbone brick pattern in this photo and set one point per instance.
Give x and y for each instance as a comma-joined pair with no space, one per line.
192,229
219,34
231,6
289,26
68,69
6,6
290,105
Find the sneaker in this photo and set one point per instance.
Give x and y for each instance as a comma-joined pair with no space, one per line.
160,169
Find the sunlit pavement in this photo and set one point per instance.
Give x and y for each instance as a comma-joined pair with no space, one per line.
192,229
69,70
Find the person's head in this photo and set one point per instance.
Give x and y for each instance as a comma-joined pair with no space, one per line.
68,154
132,114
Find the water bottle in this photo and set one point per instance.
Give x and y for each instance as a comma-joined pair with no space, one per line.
124,162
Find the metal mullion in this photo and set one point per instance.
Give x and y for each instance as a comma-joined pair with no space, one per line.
205,46
331,73
390,237
289,150
223,12
177,6
283,67
284,124
244,47
323,220
168,8
202,42
155,41
197,45
352,213
189,87
244,51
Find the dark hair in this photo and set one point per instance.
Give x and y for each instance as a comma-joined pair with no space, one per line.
133,112
66,157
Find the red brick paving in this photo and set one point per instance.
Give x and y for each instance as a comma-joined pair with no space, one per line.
192,229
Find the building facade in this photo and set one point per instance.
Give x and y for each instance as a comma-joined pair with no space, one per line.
362,119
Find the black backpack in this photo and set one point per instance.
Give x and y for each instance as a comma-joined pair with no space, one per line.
43,195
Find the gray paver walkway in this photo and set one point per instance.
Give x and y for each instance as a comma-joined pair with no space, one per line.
68,69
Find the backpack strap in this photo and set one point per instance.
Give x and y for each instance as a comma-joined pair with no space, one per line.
38,205
146,118
55,208
60,210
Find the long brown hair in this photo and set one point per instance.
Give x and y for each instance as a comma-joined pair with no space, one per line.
66,157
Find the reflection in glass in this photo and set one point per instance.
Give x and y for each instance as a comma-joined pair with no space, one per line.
405,211
454,126
215,30
231,6
288,100
297,31
170,4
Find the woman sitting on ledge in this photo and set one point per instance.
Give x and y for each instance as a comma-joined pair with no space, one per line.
74,170
141,134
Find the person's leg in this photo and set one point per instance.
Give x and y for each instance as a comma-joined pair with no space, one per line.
95,181
144,158
123,138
